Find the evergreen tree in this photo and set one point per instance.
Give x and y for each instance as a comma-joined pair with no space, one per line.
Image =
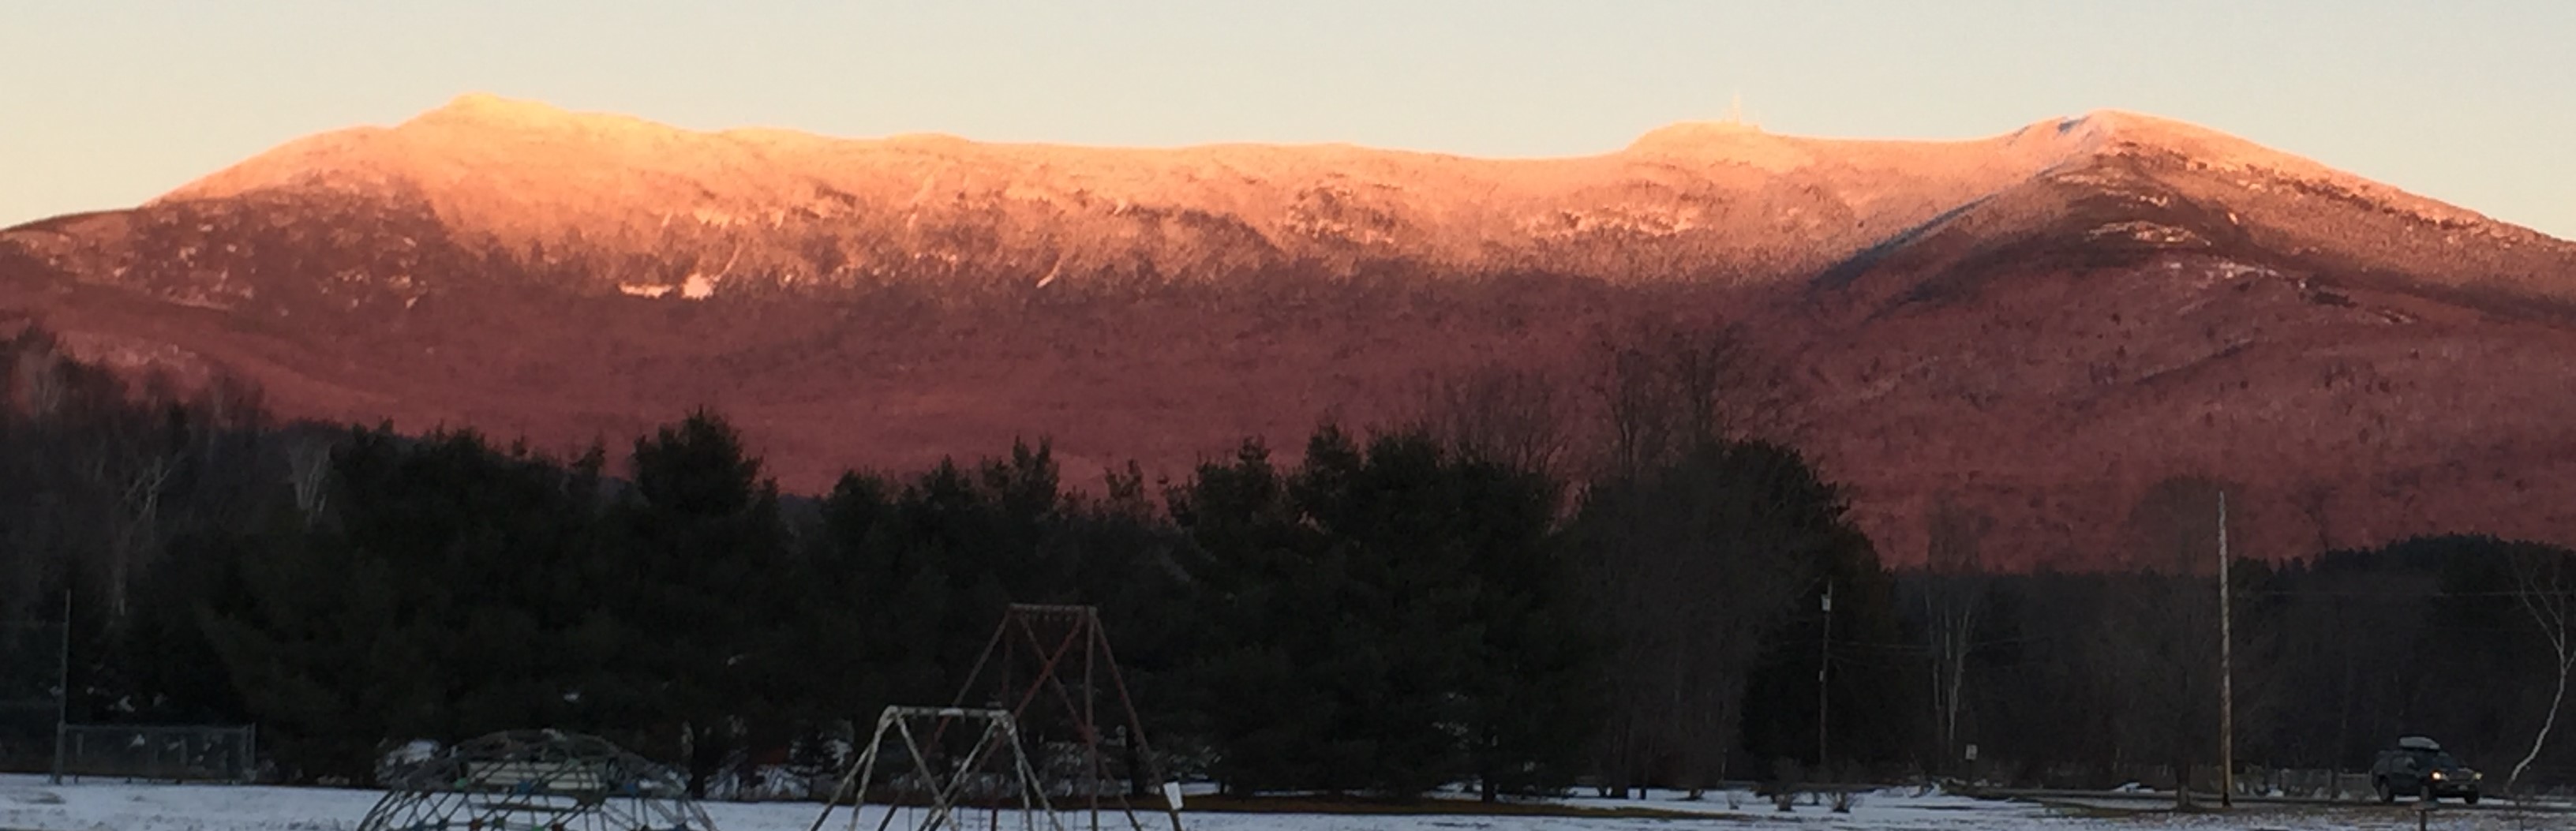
436,606
1387,619
695,574
1535,695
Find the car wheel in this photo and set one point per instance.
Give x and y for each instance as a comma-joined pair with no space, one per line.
2385,793
2470,797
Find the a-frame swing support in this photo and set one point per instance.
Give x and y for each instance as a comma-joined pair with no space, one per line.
1068,644
1066,652
1001,737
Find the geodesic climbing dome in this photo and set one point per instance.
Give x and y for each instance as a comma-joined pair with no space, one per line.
536,780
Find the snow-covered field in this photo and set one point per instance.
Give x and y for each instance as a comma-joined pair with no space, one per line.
29,804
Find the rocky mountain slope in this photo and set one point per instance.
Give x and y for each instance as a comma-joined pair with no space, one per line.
2040,324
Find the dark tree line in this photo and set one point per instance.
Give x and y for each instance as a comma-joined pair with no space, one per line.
1389,613
1470,599
2091,679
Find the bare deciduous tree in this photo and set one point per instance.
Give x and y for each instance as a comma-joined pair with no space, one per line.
135,524
37,384
2542,587
2156,642
1954,594
1665,387
308,468
1694,565
1506,414
2311,500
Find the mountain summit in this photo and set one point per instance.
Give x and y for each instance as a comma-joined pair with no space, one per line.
2041,323
777,207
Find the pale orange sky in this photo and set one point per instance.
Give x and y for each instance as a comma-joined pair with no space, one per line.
109,102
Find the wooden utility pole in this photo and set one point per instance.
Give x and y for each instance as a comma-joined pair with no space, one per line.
2226,669
1824,665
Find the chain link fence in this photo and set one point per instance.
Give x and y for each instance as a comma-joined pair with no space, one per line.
202,753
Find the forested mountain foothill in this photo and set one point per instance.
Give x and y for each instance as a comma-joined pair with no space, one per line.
1462,599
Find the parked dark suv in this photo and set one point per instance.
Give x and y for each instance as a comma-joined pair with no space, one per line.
2417,767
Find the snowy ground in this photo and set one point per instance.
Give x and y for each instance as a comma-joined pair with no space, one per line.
28,804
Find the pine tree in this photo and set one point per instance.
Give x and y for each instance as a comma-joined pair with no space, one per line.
701,551
1385,619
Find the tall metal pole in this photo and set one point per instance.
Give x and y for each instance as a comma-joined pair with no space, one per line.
63,689
1824,665
1090,624
2226,669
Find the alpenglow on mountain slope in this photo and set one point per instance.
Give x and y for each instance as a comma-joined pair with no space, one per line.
2038,326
